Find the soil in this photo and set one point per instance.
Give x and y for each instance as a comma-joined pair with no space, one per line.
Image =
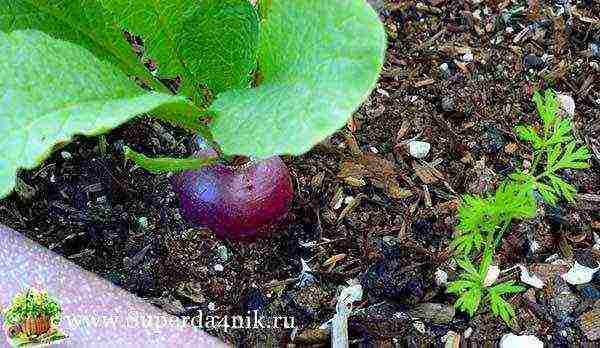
458,77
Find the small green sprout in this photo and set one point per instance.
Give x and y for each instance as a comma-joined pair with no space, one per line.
480,216
483,220
556,146
472,291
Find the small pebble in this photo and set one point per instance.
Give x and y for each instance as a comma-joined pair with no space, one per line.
143,222
441,277
467,57
492,274
66,155
419,326
451,339
567,103
530,279
448,104
579,274
419,149
595,48
211,306
223,252
531,61
445,70
526,341
219,267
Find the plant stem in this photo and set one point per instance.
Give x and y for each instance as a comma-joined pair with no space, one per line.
504,228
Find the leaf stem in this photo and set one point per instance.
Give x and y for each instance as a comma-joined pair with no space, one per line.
504,228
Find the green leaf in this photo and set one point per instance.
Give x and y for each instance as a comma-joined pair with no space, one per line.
502,308
547,107
486,260
83,22
506,288
471,273
59,89
184,115
469,301
514,200
547,193
263,8
553,155
464,243
211,43
528,133
561,132
165,164
459,286
559,185
573,159
319,61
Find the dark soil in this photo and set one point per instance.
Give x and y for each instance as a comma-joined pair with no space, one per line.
86,203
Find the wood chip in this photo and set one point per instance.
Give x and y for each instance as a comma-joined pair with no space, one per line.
425,82
332,261
511,148
428,174
378,170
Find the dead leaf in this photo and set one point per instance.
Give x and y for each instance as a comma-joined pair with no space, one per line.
425,82
353,173
332,261
511,148
356,182
350,207
428,174
394,190
577,238
352,143
380,172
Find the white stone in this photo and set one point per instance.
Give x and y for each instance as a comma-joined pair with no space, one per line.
579,274
492,274
596,241
441,277
219,267
530,279
444,67
419,149
419,326
223,252
66,155
567,103
526,341
467,57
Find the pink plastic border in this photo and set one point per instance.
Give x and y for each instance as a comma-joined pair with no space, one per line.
24,263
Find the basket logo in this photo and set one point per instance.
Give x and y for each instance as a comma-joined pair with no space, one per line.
32,319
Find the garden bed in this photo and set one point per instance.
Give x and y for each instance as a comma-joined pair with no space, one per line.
460,76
